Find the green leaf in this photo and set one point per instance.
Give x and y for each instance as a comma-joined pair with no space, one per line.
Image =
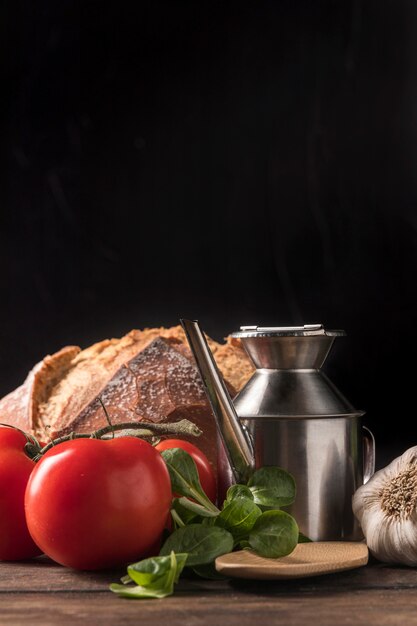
238,491
238,517
154,577
272,487
208,571
186,515
139,592
147,571
193,507
181,559
184,477
203,544
275,534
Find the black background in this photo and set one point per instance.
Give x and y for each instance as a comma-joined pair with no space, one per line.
235,162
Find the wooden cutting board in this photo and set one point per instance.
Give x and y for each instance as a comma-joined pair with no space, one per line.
307,559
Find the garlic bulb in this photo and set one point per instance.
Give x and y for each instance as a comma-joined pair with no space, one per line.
386,508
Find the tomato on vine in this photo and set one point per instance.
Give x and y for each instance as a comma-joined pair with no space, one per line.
98,503
15,469
205,470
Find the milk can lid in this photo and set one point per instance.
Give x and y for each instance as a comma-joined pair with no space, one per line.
307,330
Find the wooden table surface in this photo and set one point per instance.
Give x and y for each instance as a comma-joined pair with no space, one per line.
40,592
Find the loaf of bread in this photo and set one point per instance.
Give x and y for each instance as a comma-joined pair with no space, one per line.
148,375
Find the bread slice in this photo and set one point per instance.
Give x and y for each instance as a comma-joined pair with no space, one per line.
20,407
148,374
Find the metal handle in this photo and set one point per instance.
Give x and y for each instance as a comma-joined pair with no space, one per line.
306,327
368,454
237,445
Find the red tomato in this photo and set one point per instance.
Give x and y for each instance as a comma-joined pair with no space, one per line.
204,467
15,469
93,504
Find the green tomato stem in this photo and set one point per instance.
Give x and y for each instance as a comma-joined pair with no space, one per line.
183,427
177,519
204,501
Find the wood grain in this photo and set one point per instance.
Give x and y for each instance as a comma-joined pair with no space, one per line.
41,592
308,559
231,609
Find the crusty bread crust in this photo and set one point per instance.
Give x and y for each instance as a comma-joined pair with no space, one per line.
148,374
20,407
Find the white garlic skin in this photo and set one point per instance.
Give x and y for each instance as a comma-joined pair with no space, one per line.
390,538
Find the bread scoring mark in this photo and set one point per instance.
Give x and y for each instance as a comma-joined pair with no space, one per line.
150,386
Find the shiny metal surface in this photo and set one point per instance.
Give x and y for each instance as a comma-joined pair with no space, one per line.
234,440
275,352
306,330
325,456
368,454
291,415
287,347
298,393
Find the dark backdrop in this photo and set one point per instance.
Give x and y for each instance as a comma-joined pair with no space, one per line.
236,162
